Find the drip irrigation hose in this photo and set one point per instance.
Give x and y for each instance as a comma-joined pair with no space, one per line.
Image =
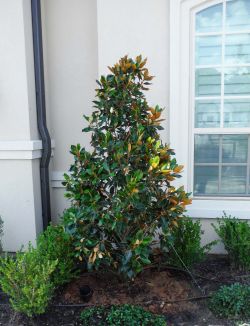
188,270
70,305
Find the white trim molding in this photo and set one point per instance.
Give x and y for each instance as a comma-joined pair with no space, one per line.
180,117
212,208
181,43
21,149
57,179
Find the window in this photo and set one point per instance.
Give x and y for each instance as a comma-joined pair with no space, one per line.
221,124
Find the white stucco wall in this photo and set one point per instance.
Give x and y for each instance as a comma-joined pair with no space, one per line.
20,148
17,72
70,37
137,27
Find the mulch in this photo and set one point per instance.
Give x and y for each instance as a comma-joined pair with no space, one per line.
172,292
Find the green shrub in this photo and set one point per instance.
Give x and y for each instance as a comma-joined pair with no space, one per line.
231,301
26,278
55,244
125,315
121,192
184,244
31,277
235,235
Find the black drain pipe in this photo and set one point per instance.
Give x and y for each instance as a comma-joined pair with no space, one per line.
41,110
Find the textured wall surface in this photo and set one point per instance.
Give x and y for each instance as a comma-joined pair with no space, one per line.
20,148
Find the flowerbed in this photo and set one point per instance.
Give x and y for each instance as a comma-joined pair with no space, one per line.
155,291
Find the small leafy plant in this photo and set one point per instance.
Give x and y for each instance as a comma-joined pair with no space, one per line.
31,277
122,191
55,244
184,243
26,278
235,235
231,301
125,315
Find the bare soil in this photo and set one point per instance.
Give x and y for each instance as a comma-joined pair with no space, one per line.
167,291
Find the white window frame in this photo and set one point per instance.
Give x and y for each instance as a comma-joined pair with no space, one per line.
182,49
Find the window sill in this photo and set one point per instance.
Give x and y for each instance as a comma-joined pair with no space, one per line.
214,207
226,198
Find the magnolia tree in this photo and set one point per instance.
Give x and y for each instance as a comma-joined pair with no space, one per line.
122,192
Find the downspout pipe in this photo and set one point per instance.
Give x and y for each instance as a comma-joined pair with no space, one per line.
41,110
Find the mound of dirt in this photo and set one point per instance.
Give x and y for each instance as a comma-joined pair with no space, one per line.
156,290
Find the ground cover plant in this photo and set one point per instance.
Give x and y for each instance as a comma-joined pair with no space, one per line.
122,191
235,235
125,315
231,301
